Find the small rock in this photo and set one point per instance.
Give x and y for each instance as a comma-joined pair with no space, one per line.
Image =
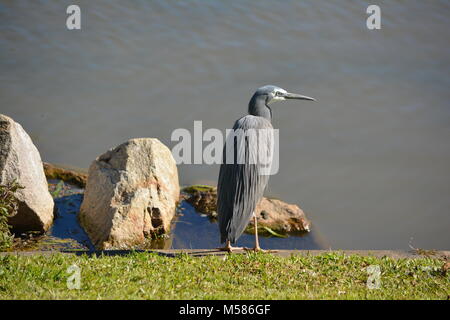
281,216
20,161
131,194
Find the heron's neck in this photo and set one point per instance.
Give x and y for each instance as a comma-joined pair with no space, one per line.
257,107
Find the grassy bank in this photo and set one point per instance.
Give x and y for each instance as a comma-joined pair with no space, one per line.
250,276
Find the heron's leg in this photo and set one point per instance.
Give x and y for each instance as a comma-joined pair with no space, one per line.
228,247
257,248
255,221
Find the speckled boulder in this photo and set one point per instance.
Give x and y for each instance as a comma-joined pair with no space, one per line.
131,194
20,161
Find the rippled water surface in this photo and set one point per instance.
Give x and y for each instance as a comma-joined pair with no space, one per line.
369,162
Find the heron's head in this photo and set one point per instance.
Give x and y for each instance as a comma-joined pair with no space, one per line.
273,93
259,104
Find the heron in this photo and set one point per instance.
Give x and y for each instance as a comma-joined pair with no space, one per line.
241,184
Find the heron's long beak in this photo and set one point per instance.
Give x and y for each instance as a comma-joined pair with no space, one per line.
289,95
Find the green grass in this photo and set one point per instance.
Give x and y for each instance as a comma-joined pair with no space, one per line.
8,207
249,276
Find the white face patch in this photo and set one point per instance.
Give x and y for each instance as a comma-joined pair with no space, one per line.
275,95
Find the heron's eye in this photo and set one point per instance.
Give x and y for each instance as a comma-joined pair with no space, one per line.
278,93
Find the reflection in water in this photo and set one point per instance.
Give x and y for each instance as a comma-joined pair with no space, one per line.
65,225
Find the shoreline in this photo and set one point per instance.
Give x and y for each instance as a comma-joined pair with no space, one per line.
394,254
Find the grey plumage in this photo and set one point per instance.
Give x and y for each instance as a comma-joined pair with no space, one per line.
241,184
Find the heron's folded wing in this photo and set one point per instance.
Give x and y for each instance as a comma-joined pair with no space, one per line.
242,181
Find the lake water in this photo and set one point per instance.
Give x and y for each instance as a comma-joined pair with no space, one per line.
369,162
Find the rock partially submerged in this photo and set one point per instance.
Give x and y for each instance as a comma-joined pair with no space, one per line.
20,161
272,214
131,194
281,216
75,177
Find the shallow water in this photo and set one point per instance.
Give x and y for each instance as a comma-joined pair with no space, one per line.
189,230
369,162
193,230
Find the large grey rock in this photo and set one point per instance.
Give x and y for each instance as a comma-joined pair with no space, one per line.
131,194
20,161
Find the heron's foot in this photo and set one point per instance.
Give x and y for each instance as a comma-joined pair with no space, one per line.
258,249
229,248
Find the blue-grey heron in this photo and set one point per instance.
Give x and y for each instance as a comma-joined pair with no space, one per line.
242,179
